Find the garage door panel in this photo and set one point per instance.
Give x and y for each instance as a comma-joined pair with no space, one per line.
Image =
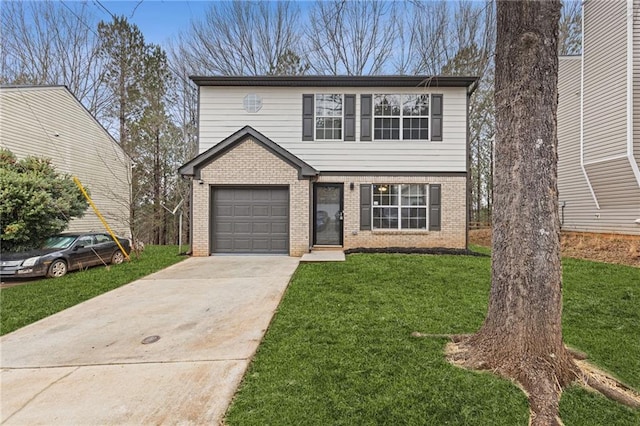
261,211
240,228
242,244
224,227
279,228
282,196
262,195
280,212
250,220
222,194
225,244
242,195
263,245
223,211
261,228
279,245
241,211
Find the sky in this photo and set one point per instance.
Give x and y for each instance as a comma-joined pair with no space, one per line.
159,20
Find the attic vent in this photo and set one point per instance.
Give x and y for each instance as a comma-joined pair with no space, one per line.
252,103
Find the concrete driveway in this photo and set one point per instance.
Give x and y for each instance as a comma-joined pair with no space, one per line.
88,365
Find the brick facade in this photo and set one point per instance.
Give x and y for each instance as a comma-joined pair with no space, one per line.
249,163
453,214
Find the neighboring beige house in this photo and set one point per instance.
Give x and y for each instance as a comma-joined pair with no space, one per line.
48,121
289,164
599,122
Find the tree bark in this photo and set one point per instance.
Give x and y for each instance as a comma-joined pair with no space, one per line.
521,337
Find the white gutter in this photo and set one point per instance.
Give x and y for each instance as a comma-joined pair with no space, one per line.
584,170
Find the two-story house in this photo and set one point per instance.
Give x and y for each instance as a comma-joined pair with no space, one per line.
599,122
287,164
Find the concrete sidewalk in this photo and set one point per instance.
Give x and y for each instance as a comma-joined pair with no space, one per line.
88,365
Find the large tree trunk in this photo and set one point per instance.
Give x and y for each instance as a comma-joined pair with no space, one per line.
521,337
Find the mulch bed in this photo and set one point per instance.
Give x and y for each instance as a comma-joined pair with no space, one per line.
417,250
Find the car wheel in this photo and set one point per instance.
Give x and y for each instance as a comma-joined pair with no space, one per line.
57,269
117,257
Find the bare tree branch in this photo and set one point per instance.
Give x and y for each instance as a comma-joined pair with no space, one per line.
52,43
240,38
352,38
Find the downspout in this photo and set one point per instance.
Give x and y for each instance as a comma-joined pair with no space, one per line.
470,91
634,164
190,216
584,170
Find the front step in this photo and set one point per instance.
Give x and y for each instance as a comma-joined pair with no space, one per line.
326,248
335,255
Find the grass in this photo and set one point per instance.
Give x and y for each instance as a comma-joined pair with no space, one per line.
340,351
28,303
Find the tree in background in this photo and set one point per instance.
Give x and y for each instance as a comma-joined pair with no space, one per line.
140,83
352,38
123,50
289,63
35,201
241,38
155,138
570,26
459,40
521,337
45,43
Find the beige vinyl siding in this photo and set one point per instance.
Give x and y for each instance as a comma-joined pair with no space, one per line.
605,128
636,80
572,185
614,185
280,119
30,120
605,79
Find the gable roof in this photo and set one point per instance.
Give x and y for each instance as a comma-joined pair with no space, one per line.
193,167
337,81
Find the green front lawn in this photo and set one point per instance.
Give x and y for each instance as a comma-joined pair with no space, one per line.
30,302
340,351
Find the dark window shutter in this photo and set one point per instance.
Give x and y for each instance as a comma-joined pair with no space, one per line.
365,207
349,117
307,117
434,208
436,117
366,123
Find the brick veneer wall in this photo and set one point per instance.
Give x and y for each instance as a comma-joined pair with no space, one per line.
453,214
249,163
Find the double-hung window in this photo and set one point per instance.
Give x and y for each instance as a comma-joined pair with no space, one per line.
401,117
399,206
328,117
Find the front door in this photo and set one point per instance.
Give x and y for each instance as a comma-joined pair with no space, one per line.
327,214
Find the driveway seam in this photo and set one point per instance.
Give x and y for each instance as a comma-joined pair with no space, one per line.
40,393
126,363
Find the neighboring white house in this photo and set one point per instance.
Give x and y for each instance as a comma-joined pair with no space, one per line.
599,122
287,164
48,121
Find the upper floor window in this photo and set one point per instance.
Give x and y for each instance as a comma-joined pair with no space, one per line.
401,117
328,116
252,103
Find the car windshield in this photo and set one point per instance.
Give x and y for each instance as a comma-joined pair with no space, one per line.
59,241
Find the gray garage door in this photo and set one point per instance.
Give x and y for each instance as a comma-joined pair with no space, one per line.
250,220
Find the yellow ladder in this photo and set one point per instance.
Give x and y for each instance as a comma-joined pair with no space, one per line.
104,222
